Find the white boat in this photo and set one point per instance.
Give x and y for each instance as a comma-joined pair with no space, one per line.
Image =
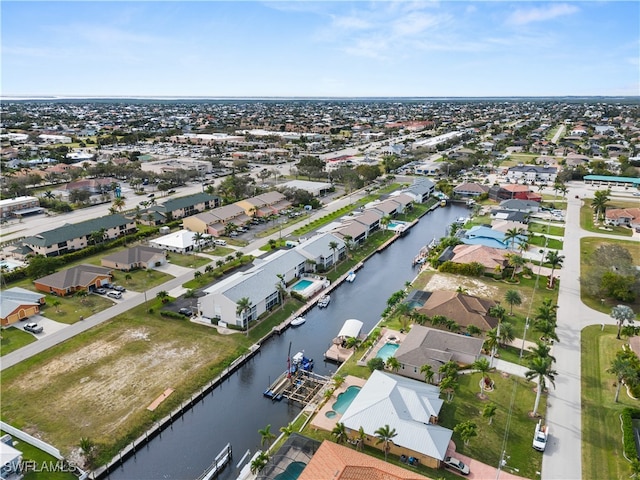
298,321
351,277
324,301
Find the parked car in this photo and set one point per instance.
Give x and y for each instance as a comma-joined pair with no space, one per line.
185,311
169,192
119,288
33,328
151,195
457,465
107,285
100,291
116,295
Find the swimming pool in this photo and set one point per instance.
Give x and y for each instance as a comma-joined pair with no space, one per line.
394,224
292,472
387,350
301,285
345,399
9,265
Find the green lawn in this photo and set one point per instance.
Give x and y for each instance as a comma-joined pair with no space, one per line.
13,339
42,460
588,223
540,240
189,261
602,450
546,229
72,307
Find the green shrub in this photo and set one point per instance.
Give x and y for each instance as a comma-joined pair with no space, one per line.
170,314
628,414
375,363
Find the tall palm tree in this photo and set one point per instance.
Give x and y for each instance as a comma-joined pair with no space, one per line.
624,367
482,365
555,260
163,296
427,371
118,204
384,221
511,235
489,411
541,369
360,438
542,350
259,462
266,435
242,307
287,429
334,246
339,432
600,202
393,364
197,240
515,261
385,435
448,385
512,297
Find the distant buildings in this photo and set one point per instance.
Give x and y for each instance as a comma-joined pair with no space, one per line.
18,206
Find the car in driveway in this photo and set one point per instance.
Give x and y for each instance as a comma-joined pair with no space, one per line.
185,311
118,288
116,295
457,465
100,291
33,328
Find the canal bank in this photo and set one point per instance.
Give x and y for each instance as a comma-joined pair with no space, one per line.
234,410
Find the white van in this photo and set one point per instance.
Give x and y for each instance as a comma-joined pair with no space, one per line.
220,242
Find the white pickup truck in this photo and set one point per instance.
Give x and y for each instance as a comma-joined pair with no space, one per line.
540,437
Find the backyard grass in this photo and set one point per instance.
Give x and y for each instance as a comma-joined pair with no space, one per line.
13,338
602,449
588,223
546,229
588,245
42,460
72,308
99,383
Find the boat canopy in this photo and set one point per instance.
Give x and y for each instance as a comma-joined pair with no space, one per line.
351,328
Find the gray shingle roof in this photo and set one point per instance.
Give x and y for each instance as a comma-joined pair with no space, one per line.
140,253
74,277
13,298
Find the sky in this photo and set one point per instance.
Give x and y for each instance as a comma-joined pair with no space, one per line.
320,49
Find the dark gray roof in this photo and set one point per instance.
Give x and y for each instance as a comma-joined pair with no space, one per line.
424,345
140,253
76,230
78,276
188,201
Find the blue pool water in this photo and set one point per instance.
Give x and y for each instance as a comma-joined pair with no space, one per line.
345,399
301,285
292,472
387,350
9,265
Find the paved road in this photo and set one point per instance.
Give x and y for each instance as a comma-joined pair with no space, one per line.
563,457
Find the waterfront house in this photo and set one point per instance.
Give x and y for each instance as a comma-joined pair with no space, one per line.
17,303
490,258
430,346
470,190
482,235
410,407
464,309
420,190
82,277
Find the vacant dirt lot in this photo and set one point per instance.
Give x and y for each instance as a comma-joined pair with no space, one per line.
473,286
99,387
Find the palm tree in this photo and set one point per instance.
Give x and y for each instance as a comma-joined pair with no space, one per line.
266,435
515,261
622,314
339,432
242,307
427,371
555,260
512,297
542,350
360,438
118,204
259,462
482,365
197,240
392,364
540,369
600,202
403,309
163,296
492,342
511,235
334,246
56,304
384,221
287,429
385,436
466,430
88,448
448,385
489,411
353,342
507,333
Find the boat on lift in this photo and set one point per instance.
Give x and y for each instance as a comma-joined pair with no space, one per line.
324,301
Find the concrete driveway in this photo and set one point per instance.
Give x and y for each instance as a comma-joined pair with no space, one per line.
173,270
49,326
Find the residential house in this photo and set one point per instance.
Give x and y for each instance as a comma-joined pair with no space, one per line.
420,190
82,277
520,205
574,159
182,241
509,191
316,249
628,217
17,303
19,206
490,258
411,407
405,201
270,203
182,207
387,208
464,309
532,174
470,190
504,226
354,230
10,460
136,257
338,462
76,236
514,216
430,346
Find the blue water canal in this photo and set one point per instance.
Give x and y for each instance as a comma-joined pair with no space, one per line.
236,410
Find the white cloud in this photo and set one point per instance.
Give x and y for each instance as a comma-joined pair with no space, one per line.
540,14
350,23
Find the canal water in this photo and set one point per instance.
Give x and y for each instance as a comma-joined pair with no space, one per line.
236,410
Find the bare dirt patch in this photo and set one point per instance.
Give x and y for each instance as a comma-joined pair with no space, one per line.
473,286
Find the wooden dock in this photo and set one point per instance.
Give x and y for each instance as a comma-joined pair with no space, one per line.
300,387
218,464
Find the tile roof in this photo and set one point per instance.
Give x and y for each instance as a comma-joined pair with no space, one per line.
487,256
463,309
336,462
